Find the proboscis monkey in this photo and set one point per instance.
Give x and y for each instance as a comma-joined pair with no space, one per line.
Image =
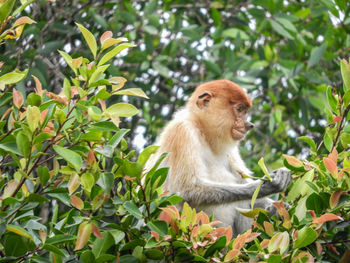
205,165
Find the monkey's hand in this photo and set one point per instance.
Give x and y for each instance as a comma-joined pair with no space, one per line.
279,183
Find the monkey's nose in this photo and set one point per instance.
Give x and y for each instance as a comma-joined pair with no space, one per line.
249,125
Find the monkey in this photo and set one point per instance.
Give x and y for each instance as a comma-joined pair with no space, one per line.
205,166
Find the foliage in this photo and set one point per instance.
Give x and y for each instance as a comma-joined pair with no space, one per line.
72,190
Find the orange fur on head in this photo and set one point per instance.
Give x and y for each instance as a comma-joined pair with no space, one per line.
225,89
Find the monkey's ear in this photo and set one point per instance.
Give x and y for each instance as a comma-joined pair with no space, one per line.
203,99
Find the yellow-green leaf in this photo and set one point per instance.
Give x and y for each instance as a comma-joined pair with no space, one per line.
251,212
89,38
33,117
132,92
19,231
122,110
13,77
261,163
279,241
115,51
255,195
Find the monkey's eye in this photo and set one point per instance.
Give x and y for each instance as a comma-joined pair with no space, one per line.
240,108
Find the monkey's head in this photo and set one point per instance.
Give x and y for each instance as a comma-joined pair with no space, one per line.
220,107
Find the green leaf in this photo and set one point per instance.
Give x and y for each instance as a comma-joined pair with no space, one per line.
67,88
101,245
158,226
287,24
161,69
13,77
53,249
33,99
36,198
132,92
346,98
43,173
68,60
115,51
19,231
306,236
6,9
280,30
117,235
345,73
316,55
132,209
310,142
23,144
106,181
233,33
87,180
154,254
117,137
60,239
122,110
10,147
89,38
255,195
217,246
146,153
261,164
212,66
70,156
175,199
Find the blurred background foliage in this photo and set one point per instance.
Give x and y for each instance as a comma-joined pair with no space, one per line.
281,51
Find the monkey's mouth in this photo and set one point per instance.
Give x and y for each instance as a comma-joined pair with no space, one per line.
238,134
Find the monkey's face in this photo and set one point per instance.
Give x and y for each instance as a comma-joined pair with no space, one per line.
222,107
240,125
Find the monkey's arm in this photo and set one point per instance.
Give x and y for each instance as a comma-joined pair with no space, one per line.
206,193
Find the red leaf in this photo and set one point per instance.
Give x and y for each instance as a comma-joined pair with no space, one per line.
96,231
325,218
331,166
337,119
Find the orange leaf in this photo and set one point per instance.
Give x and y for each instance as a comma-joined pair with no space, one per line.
95,231
77,202
155,234
228,234
333,155
268,228
84,233
91,157
333,201
165,216
17,98
265,243
331,166
38,87
293,161
325,218
23,20
106,35
232,254
202,217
